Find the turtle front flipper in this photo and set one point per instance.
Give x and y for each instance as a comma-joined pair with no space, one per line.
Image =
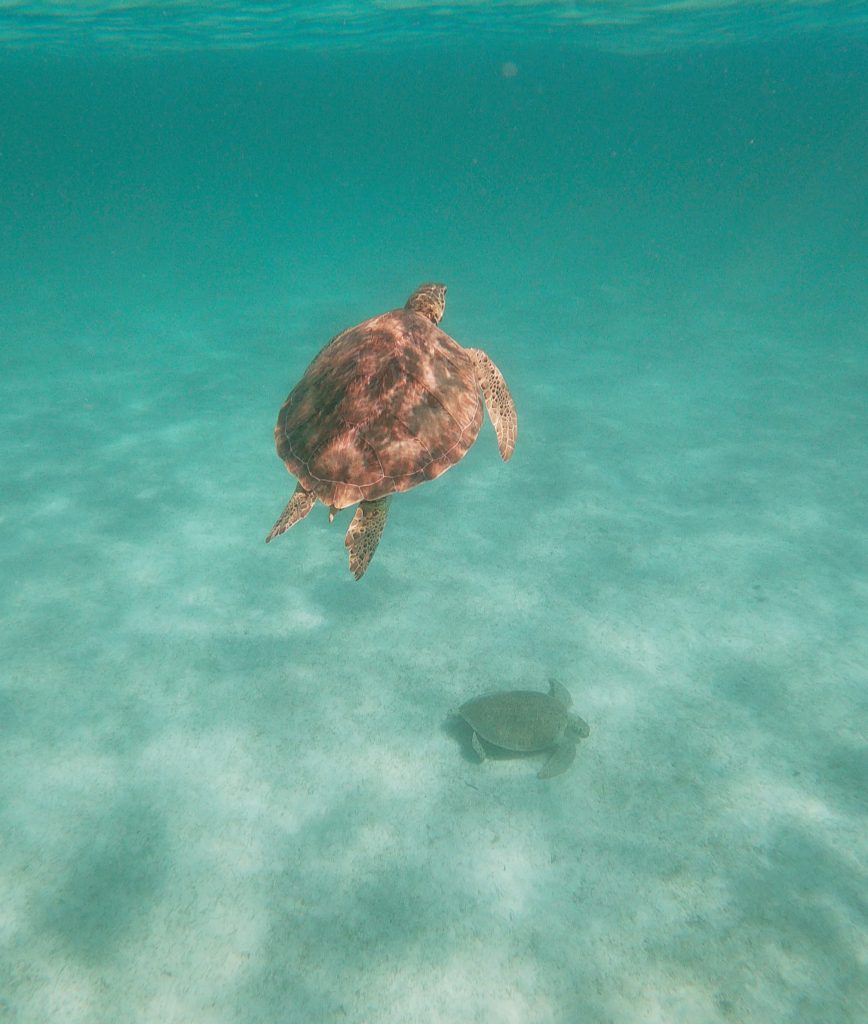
561,759
498,401
364,534
299,505
560,693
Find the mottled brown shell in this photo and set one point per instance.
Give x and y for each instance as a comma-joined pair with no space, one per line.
384,406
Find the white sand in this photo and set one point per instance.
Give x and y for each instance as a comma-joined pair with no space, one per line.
229,790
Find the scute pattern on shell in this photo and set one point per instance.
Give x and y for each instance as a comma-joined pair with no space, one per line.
521,720
384,406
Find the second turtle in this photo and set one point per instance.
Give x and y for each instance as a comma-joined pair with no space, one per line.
386,405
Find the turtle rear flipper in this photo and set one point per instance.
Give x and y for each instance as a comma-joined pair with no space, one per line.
299,505
364,534
560,760
498,401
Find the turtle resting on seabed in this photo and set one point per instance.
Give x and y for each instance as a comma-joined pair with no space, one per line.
525,721
386,405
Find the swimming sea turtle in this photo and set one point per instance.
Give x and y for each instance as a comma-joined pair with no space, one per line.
386,405
525,721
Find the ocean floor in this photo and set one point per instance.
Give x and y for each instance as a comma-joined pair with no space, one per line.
230,786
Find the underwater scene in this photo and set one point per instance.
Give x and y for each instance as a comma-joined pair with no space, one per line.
550,321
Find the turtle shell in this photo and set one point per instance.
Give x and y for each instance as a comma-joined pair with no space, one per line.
385,405
520,720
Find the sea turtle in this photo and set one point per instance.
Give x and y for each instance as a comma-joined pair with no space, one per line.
525,721
386,405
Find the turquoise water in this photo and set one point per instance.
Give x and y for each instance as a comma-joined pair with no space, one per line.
230,786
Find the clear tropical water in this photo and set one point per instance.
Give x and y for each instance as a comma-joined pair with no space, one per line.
230,788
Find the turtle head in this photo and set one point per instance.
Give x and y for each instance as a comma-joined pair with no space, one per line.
429,300
577,728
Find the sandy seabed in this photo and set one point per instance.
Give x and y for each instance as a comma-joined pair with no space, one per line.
231,789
